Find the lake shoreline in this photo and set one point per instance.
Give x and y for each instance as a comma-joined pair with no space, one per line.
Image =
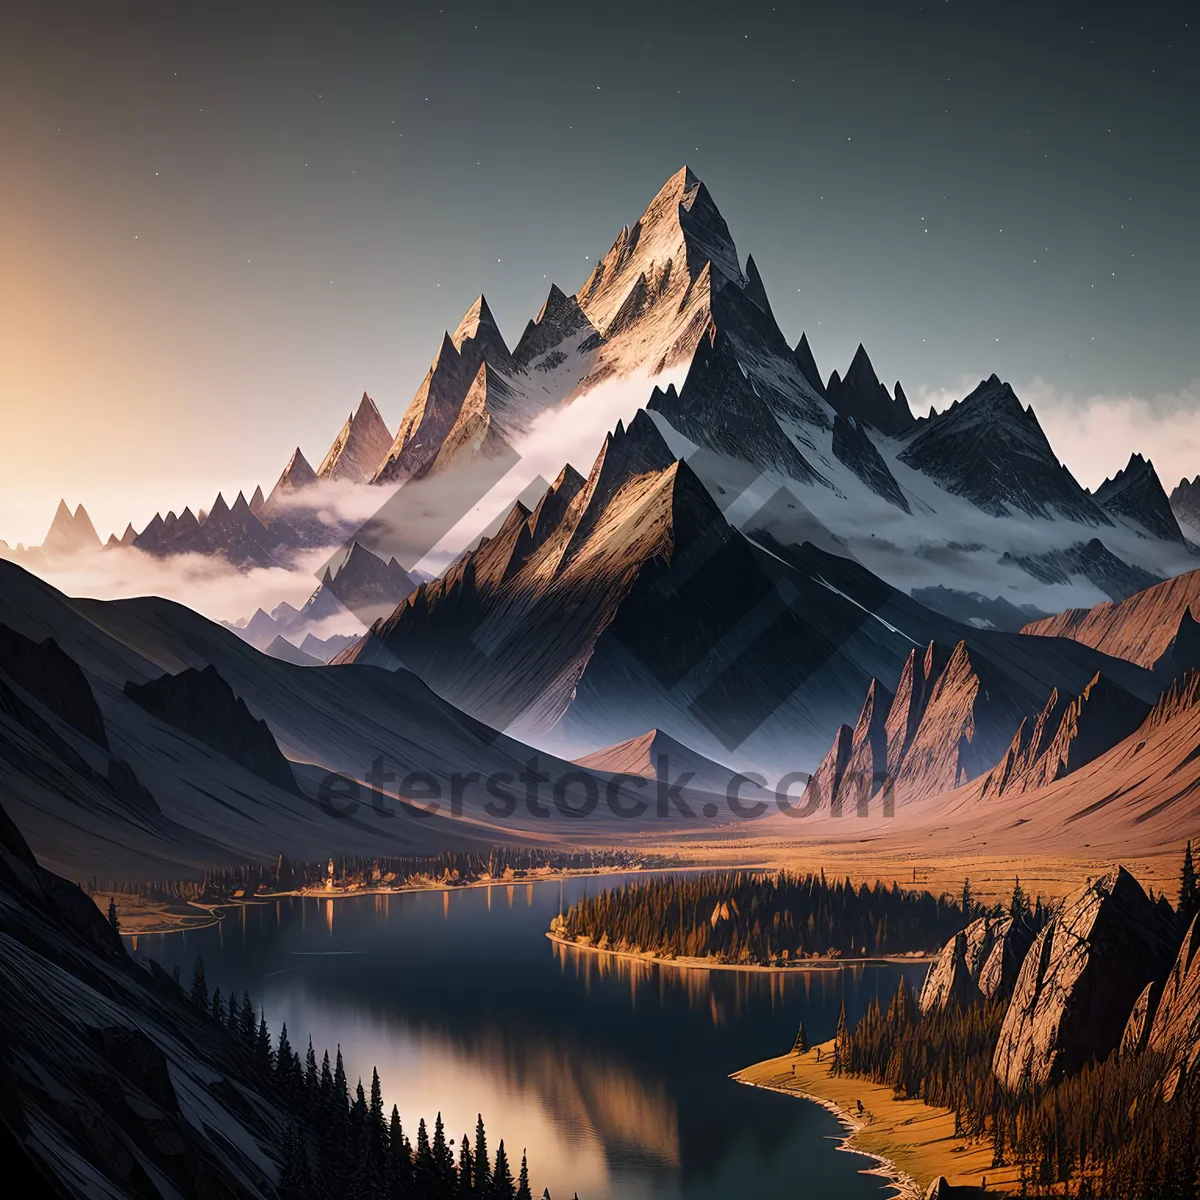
172,917
914,1143
704,964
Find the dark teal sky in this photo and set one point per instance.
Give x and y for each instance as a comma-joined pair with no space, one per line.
219,221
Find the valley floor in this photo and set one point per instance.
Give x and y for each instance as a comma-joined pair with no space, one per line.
940,862
914,1142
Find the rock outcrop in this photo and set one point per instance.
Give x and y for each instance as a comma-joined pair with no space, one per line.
1137,1028
203,705
1080,981
1175,1032
1183,650
1065,735
982,961
54,679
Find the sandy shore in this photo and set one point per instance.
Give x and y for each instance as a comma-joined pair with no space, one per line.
707,964
912,1142
138,915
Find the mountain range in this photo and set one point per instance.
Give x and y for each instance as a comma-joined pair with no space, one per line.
972,499
766,570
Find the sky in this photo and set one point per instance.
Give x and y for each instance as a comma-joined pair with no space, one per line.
221,223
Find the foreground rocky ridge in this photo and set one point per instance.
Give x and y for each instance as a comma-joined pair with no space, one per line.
114,1084
1080,980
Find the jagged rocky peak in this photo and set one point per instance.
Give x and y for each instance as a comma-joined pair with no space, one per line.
478,327
807,363
296,475
755,288
920,673
438,405
1080,981
552,507
359,448
1185,504
968,721
681,241
70,531
866,762
1136,493
638,450
1067,734
719,408
860,395
991,451
559,320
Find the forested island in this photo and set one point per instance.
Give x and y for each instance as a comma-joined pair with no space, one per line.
747,918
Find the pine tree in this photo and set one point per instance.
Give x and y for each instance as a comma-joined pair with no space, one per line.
800,1045
377,1132
262,1045
399,1169
483,1171
443,1163
466,1170
841,1043
523,1192
312,1079
1019,909
285,1064
113,919
218,1009
246,1023
233,1020
358,1133
968,902
502,1180
199,986
424,1175
1189,896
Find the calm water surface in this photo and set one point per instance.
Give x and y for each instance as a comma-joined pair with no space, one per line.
612,1074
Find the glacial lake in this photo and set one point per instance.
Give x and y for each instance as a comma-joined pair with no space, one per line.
612,1074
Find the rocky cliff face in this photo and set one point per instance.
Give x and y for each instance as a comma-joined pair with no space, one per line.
1175,1032
1080,981
54,679
852,446
1065,735
967,722
1183,650
203,705
982,961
